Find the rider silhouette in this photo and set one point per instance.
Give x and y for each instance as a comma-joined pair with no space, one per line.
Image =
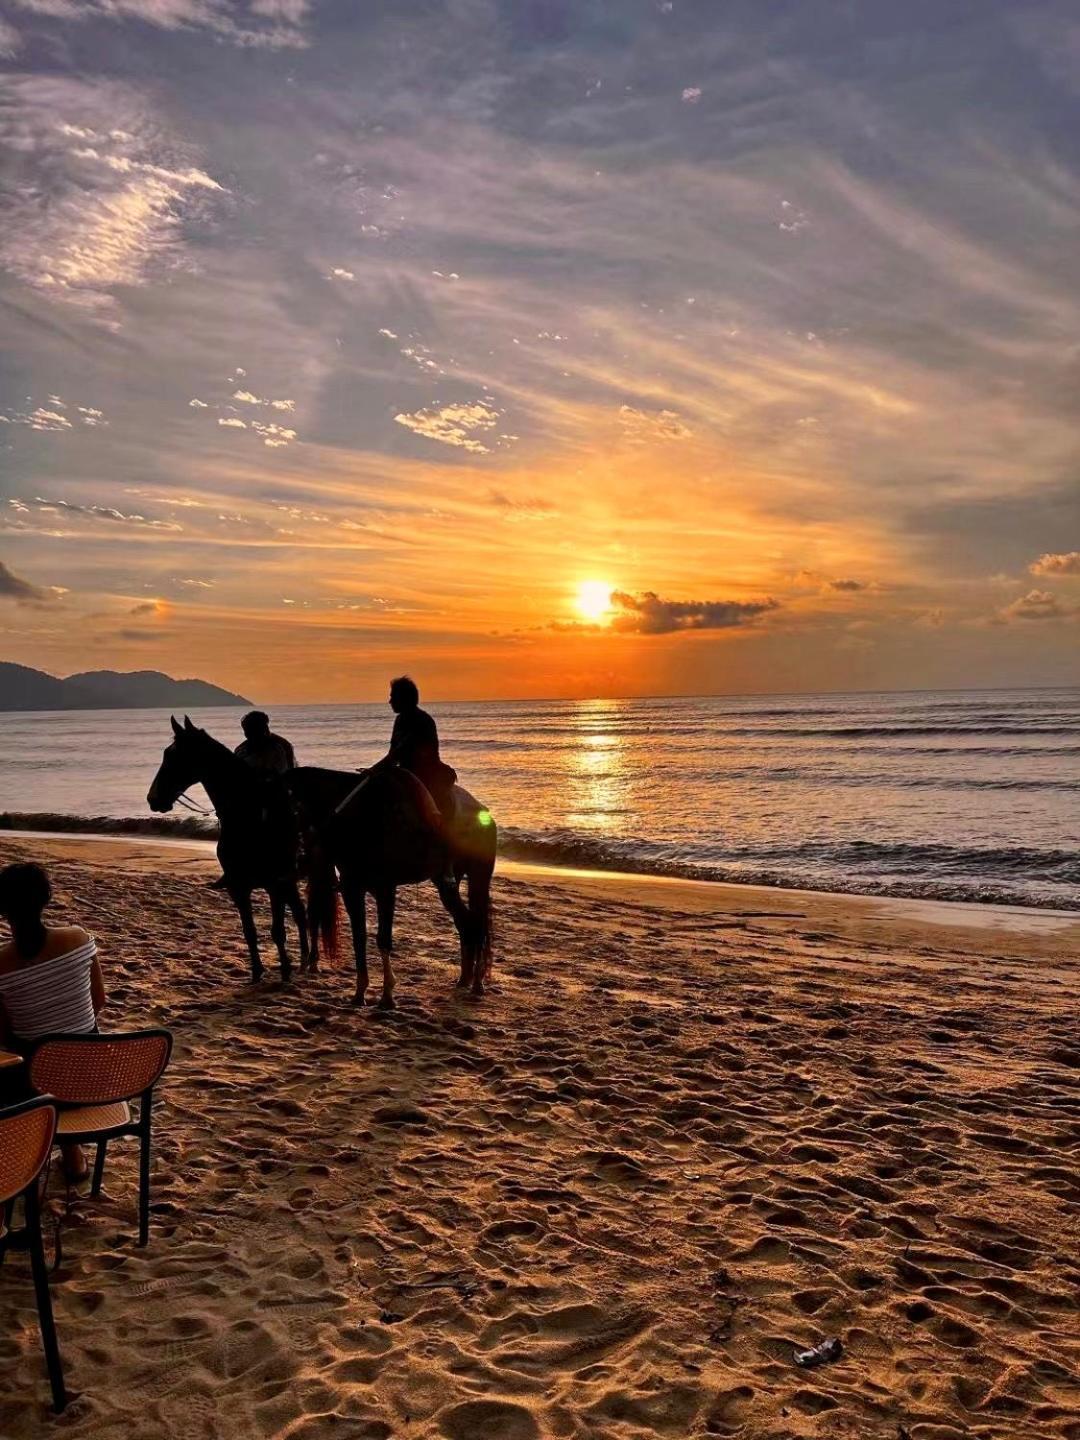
270,756
262,749
414,745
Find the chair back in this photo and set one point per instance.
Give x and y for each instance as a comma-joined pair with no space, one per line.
99,1069
26,1137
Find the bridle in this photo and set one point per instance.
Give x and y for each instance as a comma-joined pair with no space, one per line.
192,805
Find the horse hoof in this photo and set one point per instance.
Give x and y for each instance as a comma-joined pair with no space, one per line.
386,1003
358,1000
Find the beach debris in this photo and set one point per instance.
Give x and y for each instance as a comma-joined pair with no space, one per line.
822,1354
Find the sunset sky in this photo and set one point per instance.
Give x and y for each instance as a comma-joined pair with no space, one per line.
541,347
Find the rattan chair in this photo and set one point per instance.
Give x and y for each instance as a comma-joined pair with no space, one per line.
95,1078
26,1138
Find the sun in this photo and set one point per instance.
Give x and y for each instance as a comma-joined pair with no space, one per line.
593,599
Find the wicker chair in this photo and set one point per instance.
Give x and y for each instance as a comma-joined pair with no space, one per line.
95,1078
26,1138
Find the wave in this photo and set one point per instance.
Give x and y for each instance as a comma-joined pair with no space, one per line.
186,827
1020,875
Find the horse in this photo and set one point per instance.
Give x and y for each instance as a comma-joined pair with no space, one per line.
258,846
381,829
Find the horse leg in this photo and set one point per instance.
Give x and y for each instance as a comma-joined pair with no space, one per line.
298,911
355,898
384,906
450,896
277,930
479,876
242,900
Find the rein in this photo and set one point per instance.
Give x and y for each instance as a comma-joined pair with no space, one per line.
192,805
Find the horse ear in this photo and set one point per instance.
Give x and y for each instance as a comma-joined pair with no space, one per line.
188,726
176,728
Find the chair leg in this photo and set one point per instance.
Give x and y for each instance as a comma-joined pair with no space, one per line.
144,1170
99,1168
44,1300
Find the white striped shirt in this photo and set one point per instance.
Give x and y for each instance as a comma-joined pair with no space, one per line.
51,995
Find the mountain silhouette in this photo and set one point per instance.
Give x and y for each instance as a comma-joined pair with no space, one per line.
22,688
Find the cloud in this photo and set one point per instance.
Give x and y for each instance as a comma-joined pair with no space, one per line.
233,422
522,507
247,397
93,512
14,587
149,607
275,436
642,425
272,24
48,417
847,586
1066,564
1035,605
647,614
692,94
79,220
9,40
337,273
453,424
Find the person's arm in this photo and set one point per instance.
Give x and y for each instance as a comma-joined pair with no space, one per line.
290,756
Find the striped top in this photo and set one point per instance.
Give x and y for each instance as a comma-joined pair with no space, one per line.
51,995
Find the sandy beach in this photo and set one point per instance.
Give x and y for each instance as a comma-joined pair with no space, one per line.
691,1130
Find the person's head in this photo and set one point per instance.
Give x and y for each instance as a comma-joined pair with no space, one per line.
24,893
403,694
256,725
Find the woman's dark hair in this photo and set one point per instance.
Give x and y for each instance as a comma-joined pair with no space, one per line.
24,891
404,689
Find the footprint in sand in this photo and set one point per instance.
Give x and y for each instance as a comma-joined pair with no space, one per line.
488,1420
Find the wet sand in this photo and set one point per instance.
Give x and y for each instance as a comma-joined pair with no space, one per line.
692,1129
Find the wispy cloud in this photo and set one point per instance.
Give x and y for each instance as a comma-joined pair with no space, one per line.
270,24
81,219
14,587
105,513
456,424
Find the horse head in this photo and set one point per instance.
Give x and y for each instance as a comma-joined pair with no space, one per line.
181,766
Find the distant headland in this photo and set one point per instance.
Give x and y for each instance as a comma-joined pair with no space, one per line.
22,688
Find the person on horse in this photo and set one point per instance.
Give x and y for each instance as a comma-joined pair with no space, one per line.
414,745
261,748
270,756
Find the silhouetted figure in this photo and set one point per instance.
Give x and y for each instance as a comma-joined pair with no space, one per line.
270,756
262,749
414,745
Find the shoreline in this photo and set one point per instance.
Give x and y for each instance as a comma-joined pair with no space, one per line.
849,910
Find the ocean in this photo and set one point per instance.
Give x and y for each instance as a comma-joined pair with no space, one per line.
949,795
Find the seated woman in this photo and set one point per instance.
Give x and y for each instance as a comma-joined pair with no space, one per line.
50,978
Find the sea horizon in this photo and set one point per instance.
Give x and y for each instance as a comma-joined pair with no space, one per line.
933,794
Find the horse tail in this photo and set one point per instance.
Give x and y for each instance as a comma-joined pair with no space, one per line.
324,904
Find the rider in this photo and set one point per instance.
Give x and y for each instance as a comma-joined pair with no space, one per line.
262,749
270,756
414,745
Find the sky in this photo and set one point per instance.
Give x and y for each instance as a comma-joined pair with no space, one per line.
541,347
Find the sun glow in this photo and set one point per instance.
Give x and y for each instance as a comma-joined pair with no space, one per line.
593,599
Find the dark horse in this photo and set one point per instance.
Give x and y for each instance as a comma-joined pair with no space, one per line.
381,829
378,834
258,842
